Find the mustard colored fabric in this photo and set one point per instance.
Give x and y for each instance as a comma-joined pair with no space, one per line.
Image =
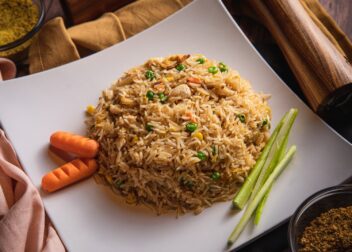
52,47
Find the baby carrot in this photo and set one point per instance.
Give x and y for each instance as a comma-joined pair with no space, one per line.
68,174
78,145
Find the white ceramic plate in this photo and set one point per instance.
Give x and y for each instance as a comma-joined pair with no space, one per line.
87,216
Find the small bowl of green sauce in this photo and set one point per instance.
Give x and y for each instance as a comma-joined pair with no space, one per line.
19,23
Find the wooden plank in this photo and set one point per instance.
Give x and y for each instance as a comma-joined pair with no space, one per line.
341,11
80,11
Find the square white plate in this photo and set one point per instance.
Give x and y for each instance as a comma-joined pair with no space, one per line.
87,216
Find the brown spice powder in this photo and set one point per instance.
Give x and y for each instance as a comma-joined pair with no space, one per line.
331,231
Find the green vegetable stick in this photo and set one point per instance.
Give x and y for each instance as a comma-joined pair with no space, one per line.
282,143
242,196
273,156
253,205
283,140
259,210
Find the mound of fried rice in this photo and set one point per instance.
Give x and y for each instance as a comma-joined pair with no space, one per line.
179,133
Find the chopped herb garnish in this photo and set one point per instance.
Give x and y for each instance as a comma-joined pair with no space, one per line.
213,69
150,95
213,150
201,155
222,67
180,67
242,118
201,60
149,74
149,127
119,183
266,123
162,97
191,127
215,175
186,182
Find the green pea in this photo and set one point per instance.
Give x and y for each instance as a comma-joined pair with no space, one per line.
201,60
180,67
215,175
201,155
149,74
150,95
213,69
149,127
242,118
222,67
162,97
191,127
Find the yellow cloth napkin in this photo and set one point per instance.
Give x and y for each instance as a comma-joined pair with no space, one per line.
55,45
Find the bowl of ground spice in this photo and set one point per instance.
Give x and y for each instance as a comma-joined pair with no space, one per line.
20,20
323,222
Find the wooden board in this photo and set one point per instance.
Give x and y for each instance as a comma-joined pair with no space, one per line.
81,11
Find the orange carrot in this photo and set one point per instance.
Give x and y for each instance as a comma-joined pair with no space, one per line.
78,145
68,174
190,117
194,80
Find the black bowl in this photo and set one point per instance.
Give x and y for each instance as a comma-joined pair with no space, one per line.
314,206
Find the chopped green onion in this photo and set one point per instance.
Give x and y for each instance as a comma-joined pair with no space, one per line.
201,155
253,205
119,183
213,69
149,74
150,95
191,127
186,182
162,97
215,175
149,127
242,118
223,67
264,122
213,150
180,67
201,60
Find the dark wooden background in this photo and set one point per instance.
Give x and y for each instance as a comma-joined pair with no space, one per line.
340,10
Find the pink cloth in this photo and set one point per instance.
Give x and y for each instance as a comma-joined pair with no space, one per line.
23,223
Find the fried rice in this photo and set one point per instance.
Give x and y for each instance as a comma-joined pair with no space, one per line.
179,133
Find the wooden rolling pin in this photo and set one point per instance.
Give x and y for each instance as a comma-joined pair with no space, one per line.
323,73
